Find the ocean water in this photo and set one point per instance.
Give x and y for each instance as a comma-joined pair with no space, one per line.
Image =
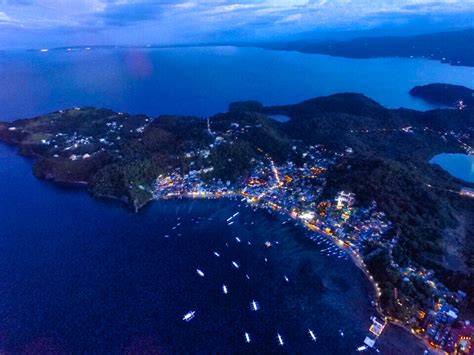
77,274
203,81
458,165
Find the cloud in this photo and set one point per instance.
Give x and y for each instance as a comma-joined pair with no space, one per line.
290,18
184,20
6,20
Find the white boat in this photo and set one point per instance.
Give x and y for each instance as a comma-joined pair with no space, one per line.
188,316
217,254
311,334
286,279
247,337
230,223
280,339
235,265
233,216
44,50
254,306
224,289
237,239
362,348
341,333
247,276
200,273
167,236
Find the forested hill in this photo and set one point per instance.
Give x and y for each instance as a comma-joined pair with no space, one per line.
455,48
445,94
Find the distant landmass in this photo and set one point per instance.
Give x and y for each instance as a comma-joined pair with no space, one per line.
344,142
455,48
445,94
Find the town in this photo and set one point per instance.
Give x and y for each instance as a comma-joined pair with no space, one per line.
295,191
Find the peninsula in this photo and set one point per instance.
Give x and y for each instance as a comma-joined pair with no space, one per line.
455,47
342,166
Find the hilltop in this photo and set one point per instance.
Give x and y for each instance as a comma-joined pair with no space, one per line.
445,94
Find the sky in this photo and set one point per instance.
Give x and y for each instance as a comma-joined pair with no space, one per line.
52,23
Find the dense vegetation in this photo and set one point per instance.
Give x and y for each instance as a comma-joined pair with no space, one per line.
444,94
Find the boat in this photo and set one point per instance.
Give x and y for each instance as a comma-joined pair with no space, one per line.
361,348
341,333
254,306
280,339
235,264
233,216
311,334
217,254
224,289
230,223
237,239
200,273
247,276
268,244
188,316
286,279
247,337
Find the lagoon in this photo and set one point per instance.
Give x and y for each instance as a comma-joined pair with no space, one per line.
458,165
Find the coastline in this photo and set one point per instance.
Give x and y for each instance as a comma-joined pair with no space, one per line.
356,259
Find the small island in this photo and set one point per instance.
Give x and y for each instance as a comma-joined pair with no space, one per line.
455,96
342,166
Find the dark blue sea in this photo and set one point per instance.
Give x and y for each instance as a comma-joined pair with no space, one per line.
82,275
202,81
77,274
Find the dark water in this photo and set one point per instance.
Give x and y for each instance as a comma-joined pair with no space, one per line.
203,81
81,275
458,165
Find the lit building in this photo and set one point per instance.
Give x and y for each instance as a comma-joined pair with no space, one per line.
344,199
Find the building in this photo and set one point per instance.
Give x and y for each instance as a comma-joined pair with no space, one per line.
461,339
345,199
377,327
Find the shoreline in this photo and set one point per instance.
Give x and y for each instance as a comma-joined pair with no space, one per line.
356,259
